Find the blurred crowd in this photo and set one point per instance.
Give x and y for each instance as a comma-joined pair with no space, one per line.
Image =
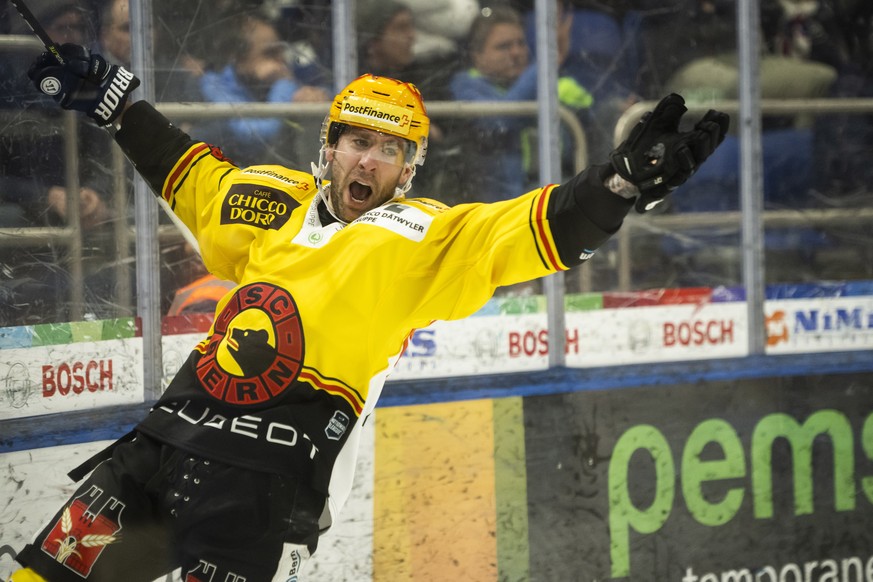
611,55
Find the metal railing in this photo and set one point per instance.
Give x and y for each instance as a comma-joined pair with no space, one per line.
688,221
435,109
70,236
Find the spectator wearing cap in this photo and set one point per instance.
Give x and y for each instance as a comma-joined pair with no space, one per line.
387,34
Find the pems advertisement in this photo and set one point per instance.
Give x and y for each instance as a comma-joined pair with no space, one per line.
753,480
766,480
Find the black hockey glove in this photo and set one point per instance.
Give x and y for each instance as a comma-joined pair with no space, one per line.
657,158
85,82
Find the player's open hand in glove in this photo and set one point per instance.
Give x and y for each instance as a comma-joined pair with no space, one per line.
85,82
657,158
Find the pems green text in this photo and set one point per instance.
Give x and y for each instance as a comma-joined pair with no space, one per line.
625,515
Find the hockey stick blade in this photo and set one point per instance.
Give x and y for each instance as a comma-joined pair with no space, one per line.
37,29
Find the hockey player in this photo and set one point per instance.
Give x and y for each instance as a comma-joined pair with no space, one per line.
248,456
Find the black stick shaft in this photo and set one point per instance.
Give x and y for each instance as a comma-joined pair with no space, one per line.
37,29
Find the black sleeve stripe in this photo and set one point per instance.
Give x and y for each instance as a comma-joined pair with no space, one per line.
223,176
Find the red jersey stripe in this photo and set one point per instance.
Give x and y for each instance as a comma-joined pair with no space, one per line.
180,168
544,235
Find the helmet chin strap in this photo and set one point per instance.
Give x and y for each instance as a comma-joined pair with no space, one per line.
319,171
400,191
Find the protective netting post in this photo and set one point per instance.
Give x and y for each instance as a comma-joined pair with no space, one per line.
148,287
550,156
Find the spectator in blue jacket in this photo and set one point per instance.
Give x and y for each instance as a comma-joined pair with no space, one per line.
259,72
502,71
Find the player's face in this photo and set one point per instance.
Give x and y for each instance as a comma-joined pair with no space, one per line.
366,167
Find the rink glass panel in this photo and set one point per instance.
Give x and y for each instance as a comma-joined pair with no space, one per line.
69,308
83,268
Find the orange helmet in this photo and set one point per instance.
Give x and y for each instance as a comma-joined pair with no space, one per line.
382,104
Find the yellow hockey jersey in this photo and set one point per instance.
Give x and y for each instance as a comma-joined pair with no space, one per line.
299,351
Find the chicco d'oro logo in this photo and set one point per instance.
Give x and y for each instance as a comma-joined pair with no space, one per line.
256,350
256,205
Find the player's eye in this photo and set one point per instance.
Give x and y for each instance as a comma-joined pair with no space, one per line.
390,149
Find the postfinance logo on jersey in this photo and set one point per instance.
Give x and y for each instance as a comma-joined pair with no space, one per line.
375,114
257,205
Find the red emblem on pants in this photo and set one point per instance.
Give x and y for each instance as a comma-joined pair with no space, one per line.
89,524
203,572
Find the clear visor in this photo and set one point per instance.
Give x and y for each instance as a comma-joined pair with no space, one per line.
381,147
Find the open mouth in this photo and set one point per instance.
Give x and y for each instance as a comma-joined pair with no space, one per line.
359,192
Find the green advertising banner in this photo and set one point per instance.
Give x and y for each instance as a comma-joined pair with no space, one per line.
764,480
